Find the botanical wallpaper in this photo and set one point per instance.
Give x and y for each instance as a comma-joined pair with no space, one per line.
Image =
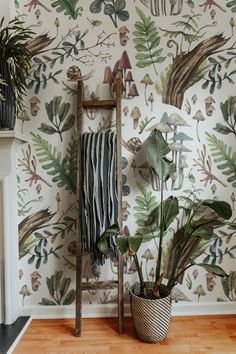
178,63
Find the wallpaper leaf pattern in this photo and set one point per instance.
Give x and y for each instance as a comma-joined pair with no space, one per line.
177,63
147,41
224,158
54,164
70,7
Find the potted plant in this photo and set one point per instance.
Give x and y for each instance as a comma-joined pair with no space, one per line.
151,302
14,69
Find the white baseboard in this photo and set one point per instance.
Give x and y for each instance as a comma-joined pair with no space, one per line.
110,310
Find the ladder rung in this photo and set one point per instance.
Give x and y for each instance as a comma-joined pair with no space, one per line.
100,285
106,104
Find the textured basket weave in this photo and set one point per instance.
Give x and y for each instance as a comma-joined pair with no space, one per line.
151,317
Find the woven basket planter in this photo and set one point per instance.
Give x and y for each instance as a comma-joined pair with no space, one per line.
151,318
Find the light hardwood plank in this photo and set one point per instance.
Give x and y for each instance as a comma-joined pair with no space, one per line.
187,335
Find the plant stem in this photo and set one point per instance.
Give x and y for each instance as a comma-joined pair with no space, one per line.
140,274
159,257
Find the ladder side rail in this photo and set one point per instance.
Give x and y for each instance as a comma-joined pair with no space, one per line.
119,193
79,264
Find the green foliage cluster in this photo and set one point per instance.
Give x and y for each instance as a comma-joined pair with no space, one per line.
69,7
189,240
57,112
215,76
58,288
62,170
13,49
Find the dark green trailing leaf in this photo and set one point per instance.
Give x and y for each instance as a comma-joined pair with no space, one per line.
69,7
224,158
211,268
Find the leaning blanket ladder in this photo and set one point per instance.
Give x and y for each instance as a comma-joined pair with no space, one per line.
111,104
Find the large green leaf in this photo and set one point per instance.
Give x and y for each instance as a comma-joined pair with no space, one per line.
170,210
156,149
222,208
211,268
103,243
122,243
125,243
206,233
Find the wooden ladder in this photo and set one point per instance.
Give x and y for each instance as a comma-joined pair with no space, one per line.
110,104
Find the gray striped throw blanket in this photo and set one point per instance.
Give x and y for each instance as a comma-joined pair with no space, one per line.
99,190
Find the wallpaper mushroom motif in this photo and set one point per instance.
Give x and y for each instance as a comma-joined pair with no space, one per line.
176,60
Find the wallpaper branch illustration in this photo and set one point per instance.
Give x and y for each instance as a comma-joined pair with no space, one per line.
177,62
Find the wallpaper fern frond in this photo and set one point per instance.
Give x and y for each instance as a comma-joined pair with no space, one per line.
145,204
147,40
54,164
224,158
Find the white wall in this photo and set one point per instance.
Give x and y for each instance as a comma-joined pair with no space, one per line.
6,9
1,260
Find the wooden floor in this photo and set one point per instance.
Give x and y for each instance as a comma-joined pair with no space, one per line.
187,335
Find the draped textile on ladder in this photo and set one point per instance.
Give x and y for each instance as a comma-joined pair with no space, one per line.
99,190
